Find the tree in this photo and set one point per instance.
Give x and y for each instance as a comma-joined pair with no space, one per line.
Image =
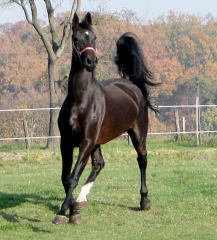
54,45
20,42
209,119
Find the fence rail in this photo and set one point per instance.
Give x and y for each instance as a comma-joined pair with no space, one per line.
40,109
165,133
24,109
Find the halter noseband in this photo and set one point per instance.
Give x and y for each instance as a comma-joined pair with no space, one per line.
80,52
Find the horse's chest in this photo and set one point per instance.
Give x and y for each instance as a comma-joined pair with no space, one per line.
73,119
77,117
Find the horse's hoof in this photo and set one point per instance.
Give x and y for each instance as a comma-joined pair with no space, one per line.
59,220
75,218
146,206
81,205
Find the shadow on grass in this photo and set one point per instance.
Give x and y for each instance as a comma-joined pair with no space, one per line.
119,205
12,200
15,218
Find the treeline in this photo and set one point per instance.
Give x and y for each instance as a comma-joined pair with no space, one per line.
180,49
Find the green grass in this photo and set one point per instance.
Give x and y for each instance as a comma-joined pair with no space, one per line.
181,182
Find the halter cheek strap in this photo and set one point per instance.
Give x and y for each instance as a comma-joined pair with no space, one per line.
87,48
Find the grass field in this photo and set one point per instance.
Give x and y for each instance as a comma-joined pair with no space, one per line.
181,180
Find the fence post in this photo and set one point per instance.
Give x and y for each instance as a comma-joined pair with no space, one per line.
197,122
178,136
183,123
129,140
26,132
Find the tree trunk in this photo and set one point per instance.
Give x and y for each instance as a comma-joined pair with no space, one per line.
54,103
54,51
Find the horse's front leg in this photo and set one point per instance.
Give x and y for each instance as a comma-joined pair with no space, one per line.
85,150
66,148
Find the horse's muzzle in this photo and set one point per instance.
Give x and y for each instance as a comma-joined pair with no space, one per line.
90,62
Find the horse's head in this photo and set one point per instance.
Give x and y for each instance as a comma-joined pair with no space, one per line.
84,42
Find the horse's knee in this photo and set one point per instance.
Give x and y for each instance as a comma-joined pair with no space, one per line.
65,182
102,163
142,159
98,163
69,182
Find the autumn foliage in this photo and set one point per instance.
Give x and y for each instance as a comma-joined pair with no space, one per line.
180,49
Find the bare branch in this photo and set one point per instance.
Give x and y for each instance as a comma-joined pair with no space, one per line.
34,11
78,6
67,33
21,4
40,31
50,12
26,13
75,8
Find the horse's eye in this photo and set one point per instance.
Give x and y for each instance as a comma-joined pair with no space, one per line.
74,39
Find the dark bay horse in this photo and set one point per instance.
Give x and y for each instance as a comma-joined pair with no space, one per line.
94,113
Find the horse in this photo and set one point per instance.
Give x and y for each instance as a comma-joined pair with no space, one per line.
95,113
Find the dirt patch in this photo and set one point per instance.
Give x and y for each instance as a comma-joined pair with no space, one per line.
18,156
171,151
11,156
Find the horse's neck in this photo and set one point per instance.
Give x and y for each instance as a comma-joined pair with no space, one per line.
80,82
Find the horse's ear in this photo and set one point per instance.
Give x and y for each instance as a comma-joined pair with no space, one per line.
75,21
88,19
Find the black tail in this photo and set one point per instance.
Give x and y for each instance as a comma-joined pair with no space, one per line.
131,64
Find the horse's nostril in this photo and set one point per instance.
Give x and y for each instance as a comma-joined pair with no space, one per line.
88,61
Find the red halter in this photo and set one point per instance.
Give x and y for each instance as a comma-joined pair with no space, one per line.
87,48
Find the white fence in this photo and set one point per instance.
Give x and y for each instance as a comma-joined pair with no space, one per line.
164,133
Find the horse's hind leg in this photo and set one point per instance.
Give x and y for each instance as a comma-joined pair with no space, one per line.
139,142
97,165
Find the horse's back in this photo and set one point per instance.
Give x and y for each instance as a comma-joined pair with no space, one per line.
122,89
